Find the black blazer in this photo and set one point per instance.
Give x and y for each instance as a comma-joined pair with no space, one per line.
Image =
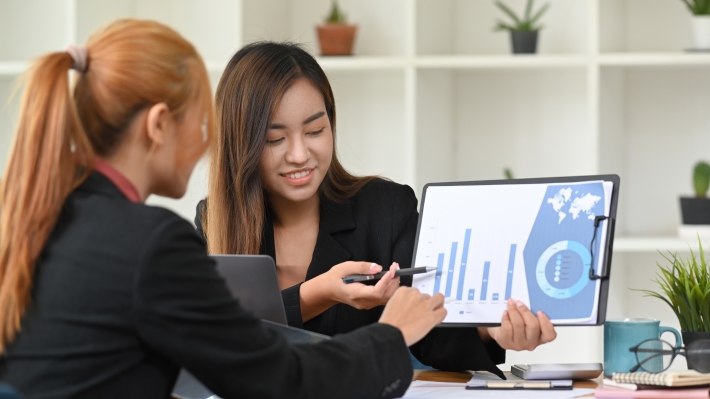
124,295
378,224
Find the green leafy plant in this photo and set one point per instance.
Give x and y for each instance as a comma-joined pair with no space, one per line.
701,178
336,16
685,287
508,173
527,23
698,7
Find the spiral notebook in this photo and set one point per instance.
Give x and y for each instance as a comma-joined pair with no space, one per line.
673,379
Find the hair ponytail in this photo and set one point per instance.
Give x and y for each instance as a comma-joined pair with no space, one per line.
132,64
51,155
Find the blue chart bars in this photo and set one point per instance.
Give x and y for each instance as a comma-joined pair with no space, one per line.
460,286
511,266
450,277
439,269
464,257
484,283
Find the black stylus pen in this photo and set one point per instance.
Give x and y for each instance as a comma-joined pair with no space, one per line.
359,278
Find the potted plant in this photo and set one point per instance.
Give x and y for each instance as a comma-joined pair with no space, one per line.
696,210
685,287
523,31
701,23
336,36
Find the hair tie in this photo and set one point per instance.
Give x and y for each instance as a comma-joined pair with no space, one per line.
80,55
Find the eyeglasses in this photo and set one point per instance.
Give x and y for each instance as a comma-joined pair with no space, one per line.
656,355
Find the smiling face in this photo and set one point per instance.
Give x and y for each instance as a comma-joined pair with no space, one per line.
299,145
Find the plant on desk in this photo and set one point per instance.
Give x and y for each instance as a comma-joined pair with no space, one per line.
523,31
685,287
336,36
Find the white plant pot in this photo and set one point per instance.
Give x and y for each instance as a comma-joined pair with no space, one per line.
701,32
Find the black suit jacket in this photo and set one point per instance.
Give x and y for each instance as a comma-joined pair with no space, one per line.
378,224
124,295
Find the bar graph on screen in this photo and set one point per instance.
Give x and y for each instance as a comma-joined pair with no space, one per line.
489,245
458,280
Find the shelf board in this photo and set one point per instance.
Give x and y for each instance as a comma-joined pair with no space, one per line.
13,68
654,59
355,63
506,61
501,61
654,244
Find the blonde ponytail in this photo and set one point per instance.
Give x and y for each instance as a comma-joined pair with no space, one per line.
51,155
131,65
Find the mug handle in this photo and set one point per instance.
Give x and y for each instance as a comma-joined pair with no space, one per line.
678,339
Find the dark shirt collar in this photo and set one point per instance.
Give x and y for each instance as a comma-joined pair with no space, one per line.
118,179
335,217
97,183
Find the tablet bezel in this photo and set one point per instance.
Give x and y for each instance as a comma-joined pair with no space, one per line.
607,250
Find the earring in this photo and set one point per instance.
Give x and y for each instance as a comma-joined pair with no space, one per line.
204,131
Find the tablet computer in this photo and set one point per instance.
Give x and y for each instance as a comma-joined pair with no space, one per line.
546,242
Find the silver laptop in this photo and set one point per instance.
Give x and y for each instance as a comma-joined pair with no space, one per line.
253,281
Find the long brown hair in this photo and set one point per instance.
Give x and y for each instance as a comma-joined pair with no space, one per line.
131,65
248,95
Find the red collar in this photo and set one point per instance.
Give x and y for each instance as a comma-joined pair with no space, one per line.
120,181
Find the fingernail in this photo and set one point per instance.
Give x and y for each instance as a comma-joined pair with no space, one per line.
375,267
519,304
396,265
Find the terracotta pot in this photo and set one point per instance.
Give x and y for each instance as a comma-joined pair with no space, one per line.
336,39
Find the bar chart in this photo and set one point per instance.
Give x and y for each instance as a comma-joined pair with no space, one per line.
490,244
458,280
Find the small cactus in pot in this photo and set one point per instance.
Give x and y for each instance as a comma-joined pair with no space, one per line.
336,36
701,179
696,210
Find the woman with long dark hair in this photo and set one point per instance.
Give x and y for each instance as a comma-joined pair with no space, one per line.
276,187
102,296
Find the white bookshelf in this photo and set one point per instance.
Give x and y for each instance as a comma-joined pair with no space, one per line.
433,94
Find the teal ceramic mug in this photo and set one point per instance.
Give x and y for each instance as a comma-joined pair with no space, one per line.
622,334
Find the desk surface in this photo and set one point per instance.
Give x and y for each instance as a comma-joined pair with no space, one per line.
449,376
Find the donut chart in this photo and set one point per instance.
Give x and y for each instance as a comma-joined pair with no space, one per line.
553,251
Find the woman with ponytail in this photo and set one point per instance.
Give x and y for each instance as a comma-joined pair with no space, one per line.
102,296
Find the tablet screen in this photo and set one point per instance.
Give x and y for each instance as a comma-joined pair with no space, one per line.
531,242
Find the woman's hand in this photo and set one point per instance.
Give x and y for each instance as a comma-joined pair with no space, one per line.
520,329
328,289
414,313
358,295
